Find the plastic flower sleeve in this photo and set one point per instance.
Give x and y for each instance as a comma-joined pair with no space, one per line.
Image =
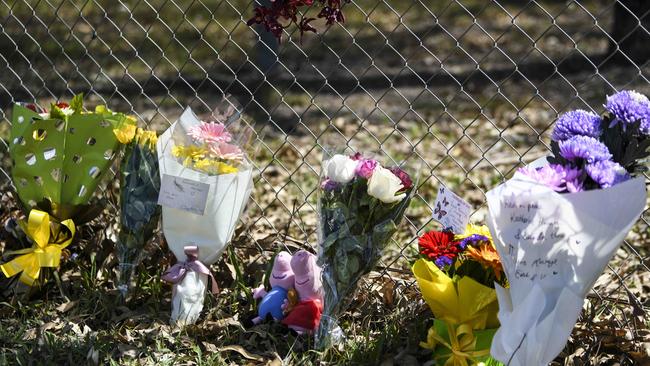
226,200
553,248
59,162
187,298
354,229
139,210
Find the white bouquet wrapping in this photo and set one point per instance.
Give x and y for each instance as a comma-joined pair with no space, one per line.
557,223
553,248
205,184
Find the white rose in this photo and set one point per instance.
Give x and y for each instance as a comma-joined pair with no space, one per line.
340,168
384,185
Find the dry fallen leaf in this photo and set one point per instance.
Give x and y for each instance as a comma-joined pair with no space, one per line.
66,306
126,350
243,352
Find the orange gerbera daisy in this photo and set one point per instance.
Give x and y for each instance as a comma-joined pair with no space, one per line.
486,255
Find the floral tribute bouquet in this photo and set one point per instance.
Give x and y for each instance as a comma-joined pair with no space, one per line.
206,180
360,207
557,223
289,10
456,274
139,210
59,158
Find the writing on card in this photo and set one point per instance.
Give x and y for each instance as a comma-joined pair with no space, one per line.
451,210
533,239
183,194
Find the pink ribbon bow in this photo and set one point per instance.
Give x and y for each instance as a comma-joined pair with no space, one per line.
177,272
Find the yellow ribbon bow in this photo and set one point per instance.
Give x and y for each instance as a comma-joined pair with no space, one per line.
461,344
49,241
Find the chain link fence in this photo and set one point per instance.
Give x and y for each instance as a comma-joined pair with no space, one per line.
467,90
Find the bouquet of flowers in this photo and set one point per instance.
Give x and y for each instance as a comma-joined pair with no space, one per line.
206,180
59,158
456,275
139,210
361,204
557,223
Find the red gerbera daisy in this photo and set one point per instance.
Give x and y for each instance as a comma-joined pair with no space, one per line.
439,246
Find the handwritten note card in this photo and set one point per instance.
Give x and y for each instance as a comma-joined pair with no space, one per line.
450,210
183,194
534,238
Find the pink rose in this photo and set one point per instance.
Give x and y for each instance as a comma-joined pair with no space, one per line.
365,168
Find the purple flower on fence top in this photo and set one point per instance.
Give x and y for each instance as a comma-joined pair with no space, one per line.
366,167
628,107
584,147
607,173
578,122
555,176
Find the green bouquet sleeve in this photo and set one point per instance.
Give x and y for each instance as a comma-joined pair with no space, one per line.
60,157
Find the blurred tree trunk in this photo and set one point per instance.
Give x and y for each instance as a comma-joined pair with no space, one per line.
631,30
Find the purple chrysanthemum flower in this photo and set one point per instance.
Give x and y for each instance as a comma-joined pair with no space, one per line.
555,176
578,122
584,147
628,107
607,173
472,240
575,185
443,261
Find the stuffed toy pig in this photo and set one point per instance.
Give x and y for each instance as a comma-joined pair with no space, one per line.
281,280
304,316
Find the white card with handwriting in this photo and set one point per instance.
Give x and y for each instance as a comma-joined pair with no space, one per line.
451,210
183,194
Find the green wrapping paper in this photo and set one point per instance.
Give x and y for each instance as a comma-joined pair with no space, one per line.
139,210
60,157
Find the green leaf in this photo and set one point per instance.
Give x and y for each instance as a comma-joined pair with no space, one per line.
56,112
77,103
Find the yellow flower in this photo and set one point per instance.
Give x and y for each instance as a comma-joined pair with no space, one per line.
146,138
227,169
125,132
211,166
190,153
474,229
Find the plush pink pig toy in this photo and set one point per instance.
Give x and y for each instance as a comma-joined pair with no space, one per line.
304,317
282,280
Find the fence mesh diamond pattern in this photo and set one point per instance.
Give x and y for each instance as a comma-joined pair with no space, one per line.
467,90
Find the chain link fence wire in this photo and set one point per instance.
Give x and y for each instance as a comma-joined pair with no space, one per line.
467,90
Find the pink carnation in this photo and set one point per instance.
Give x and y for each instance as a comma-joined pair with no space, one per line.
209,133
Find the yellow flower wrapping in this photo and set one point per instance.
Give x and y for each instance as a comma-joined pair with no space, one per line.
44,253
463,304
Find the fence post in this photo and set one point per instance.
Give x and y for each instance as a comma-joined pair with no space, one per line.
266,58
630,30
